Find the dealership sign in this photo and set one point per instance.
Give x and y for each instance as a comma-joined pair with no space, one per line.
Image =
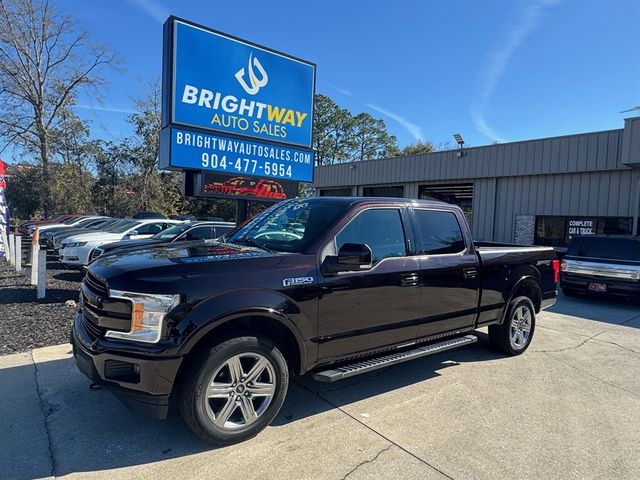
234,107
209,152
232,86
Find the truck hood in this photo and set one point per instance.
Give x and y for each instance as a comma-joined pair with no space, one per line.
166,267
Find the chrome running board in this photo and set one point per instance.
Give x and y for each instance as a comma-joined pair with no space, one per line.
364,366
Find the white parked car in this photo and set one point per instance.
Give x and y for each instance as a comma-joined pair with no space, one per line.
71,222
76,251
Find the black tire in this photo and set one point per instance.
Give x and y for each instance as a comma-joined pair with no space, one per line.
568,292
500,336
198,411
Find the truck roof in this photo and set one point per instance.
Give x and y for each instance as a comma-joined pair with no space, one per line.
364,200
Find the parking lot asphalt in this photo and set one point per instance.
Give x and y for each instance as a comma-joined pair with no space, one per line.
569,408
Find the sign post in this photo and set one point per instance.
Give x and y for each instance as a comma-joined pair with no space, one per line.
42,274
241,111
35,251
11,249
5,244
18,253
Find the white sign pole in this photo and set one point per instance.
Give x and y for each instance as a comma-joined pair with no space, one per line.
35,251
5,243
18,253
11,245
42,274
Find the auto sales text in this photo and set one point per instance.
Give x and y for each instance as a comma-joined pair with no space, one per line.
266,119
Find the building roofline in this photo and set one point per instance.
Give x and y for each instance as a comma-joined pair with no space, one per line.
440,152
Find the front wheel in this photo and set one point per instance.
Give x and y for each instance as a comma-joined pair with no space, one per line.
234,390
514,336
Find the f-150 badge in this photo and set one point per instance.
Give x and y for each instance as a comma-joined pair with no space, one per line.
292,282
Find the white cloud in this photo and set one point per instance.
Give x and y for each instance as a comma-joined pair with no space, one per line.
526,20
412,128
106,109
340,90
154,9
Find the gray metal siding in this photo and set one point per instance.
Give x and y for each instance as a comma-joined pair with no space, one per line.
571,154
608,193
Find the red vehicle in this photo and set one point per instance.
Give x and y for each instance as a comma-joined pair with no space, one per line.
24,228
247,187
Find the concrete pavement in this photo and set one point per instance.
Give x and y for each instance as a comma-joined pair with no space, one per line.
568,408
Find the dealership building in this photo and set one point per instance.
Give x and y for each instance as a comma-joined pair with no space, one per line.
540,191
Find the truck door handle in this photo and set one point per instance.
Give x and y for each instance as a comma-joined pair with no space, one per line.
469,273
409,280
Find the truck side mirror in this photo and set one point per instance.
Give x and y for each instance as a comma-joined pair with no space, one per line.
132,233
356,255
352,257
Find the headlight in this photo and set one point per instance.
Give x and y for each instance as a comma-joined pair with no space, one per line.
147,315
74,244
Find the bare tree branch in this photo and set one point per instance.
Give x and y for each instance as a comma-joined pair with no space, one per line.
45,59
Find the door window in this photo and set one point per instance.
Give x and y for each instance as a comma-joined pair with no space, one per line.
150,228
380,229
440,232
198,233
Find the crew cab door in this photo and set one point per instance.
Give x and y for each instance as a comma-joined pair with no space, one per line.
365,310
449,272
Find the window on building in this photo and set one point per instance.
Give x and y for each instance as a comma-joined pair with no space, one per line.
397,191
380,229
558,231
335,192
440,232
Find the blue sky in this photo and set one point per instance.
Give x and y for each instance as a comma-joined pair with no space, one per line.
491,70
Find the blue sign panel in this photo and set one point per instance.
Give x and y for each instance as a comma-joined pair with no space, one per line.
228,85
187,149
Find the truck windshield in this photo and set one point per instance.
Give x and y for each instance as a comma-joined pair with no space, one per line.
290,226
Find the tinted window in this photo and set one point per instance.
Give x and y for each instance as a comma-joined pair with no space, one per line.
150,228
611,248
122,226
172,232
220,230
440,232
381,229
197,233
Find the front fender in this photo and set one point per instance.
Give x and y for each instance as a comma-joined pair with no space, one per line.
220,309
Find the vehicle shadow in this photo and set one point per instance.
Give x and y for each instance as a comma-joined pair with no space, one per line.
22,294
70,276
91,431
605,309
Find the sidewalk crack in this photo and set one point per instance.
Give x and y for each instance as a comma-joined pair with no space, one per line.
340,409
47,410
367,461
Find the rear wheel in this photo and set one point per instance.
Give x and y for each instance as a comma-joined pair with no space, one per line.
514,336
234,390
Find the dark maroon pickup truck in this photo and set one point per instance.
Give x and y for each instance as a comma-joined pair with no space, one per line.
332,286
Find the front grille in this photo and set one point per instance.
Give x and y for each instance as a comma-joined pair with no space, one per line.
91,328
95,254
101,312
96,284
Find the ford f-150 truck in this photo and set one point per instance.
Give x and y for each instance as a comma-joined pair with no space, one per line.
332,286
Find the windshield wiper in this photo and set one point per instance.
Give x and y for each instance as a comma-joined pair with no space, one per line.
254,243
